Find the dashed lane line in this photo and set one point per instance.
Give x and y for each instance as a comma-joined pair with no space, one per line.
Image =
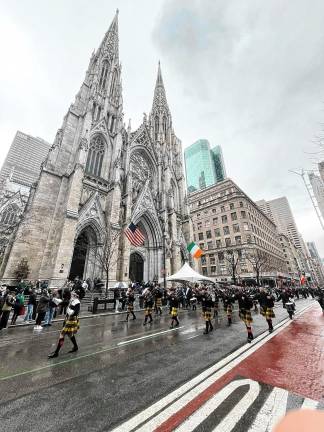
80,357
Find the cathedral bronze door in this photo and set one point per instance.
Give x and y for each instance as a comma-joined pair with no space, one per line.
79,256
136,267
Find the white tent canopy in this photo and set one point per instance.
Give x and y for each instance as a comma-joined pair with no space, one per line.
186,273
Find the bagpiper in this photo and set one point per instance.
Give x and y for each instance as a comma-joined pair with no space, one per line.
148,305
245,304
158,300
174,304
228,306
207,304
71,325
266,301
130,295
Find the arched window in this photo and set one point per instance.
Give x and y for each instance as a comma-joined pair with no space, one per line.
165,127
9,215
113,83
156,127
95,156
104,74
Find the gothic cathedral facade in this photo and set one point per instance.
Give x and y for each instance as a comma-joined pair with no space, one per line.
100,176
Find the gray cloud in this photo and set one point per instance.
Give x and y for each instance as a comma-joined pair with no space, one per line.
252,73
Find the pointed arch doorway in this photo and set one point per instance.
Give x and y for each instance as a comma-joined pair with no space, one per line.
136,267
84,254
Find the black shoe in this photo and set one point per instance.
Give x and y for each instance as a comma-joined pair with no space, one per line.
134,318
74,349
205,332
53,355
249,340
144,323
270,330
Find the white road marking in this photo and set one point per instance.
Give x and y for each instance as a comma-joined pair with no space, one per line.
309,404
233,416
180,397
148,336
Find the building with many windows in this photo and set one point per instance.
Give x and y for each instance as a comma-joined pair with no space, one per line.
23,162
317,184
19,171
204,166
231,230
279,211
316,262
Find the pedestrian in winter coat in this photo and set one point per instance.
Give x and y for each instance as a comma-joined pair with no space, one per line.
18,307
8,302
30,306
41,309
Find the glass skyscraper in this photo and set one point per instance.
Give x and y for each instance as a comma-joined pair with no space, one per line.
204,166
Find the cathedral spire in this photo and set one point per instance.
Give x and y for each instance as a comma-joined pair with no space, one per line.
160,104
109,45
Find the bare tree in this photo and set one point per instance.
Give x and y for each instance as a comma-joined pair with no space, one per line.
232,258
106,254
260,260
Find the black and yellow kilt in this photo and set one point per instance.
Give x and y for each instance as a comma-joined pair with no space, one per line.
229,310
130,307
263,310
245,315
148,310
174,312
207,314
71,325
269,313
158,302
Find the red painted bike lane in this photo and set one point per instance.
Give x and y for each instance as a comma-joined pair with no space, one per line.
292,360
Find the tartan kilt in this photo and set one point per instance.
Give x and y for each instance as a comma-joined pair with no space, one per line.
229,310
71,325
158,302
207,315
269,313
174,312
148,310
245,315
263,310
130,307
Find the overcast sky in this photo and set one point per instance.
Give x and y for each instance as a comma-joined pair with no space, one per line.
248,75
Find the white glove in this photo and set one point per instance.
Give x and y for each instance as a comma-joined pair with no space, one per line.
69,311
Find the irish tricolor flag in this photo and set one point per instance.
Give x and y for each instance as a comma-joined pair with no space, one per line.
195,250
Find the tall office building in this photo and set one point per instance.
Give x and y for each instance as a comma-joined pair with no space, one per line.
317,184
20,170
316,262
217,156
204,166
279,211
23,162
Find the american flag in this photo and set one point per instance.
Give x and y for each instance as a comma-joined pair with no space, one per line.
134,235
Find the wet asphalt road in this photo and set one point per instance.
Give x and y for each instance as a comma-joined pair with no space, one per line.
120,369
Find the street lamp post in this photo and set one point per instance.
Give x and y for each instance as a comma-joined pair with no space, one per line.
164,259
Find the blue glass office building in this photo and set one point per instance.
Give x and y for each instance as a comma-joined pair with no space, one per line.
204,166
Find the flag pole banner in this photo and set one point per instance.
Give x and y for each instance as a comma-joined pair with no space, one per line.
134,235
194,250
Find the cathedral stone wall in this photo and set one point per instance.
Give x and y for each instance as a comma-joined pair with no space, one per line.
99,177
